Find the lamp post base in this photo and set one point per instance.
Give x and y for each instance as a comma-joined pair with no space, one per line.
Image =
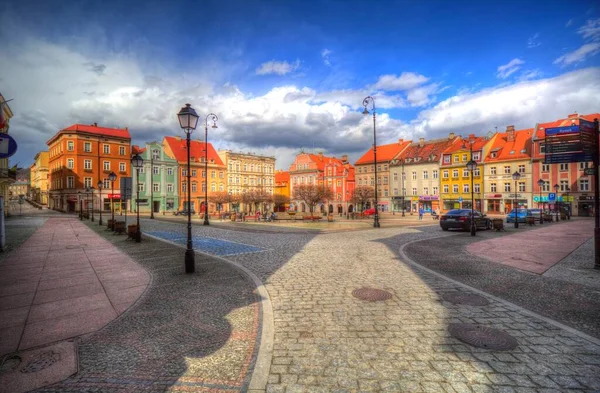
138,235
473,230
189,261
516,223
206,220
376,221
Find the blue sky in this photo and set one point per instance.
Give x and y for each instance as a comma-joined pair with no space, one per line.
289,75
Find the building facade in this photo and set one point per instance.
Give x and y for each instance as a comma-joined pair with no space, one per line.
365,170
415,175
159,180
200,157
21,187
282,187
7,175
39,178
80,156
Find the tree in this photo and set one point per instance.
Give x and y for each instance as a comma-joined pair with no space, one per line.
279,201
311,195
361,195
219,198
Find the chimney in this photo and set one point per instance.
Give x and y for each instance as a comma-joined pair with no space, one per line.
421,142
95,124
510,133
345,158
320,156
451,136
400,141
573,115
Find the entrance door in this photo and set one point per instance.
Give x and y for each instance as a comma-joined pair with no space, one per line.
156,207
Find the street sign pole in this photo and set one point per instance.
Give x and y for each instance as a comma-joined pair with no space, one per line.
596,199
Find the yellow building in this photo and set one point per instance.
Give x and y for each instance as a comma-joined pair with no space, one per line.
282,187
39,178
455,179
7,176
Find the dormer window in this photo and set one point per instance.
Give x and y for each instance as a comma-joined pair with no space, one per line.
512,152
493,155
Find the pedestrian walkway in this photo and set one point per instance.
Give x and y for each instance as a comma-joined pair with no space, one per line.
536,250
62,282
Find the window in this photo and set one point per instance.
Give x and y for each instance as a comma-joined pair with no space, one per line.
507,170
426,190
464,158
231,166
87,164
493,170
106,165
425,175
545,167
169,187
414,190
395,176
194,187
203,187
445,188
414,175
395,191
142,170
476,188
70,145
546,186
521,169
70,181
455,173
455,188
194,173
70,163
583,165
141,187
435,190
183,172
446,159
506,187
245,167
435,174
221,188
564,167
122,150
542,148
184,187
155,187
456,158
584,184
465,172
521,186
221,175
107,184
213,174
87,181
385,180
213,187
170,171
563,185
476,156
106,149
466,188
87,147
121,167
156,170
445,174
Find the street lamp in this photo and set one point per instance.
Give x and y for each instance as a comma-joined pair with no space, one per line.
366,112
87,196
92,191
556,187
541,184
214,119
136,162
153,155
80,205
516,176
188,119
403,190
471,165
100,197
112,177
567,190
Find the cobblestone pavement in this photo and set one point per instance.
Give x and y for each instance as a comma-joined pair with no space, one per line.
327,340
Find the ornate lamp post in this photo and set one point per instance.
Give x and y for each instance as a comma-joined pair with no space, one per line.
112,177
366,102
567,191
153,155
556,187
87,197
471,166
92,191
516,176
540,184
101,204
136,162
214,119
403,190
188,119
80,205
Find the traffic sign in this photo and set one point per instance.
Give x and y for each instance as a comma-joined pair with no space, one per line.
551,196
589,171
460,199
8,146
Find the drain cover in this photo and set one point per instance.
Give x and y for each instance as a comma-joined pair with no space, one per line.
371,294
465,298
482,336
40,362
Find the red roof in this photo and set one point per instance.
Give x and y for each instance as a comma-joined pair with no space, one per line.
282,177
433,149
384,152
135,149
518,149
541,127
179,148
479,143
94,130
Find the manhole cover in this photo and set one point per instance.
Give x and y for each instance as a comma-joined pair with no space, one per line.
371,294
482,336
40,362
465,298
10,364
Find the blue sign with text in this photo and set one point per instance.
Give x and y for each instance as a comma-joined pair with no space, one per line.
551,196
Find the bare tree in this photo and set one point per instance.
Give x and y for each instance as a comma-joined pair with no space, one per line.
261,197
279,201
361,195
219,198
312,195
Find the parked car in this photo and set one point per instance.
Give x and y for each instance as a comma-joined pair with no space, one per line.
183,213
369,212
461,219
535,213
521,215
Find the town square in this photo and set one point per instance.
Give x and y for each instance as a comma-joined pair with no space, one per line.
267,220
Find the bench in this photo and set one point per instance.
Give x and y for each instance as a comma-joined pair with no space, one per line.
131,231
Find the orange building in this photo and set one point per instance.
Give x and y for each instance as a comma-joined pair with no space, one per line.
282,187
176,147
82,155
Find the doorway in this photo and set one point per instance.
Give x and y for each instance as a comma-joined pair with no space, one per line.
156,207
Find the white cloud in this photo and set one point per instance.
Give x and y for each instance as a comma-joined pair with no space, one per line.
506,70
532,42
591,30
422,95
406,81
569,23
579,54
325,55
277,67
531,74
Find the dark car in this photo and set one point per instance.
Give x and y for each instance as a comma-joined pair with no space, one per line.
183,212
461,219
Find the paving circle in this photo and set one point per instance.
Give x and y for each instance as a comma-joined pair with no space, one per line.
371,294
482,336
40,362
465,298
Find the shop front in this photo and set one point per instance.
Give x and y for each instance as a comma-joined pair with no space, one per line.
453,202
585,206
494,203
429,203
512,201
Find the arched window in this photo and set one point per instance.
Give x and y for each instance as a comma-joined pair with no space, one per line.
213,187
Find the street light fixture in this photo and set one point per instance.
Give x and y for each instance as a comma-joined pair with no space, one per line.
112,177
214,119
516,176
100,197
188,119
471,166
556,187
137,161
541,184
366,102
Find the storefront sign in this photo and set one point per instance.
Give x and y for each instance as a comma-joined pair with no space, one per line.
429,198
114,196
493,196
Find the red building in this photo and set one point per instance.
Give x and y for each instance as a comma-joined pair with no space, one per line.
575,191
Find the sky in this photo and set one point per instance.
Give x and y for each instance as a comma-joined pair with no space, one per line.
286,76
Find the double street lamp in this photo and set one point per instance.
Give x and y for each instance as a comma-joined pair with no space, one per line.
366,102
214,119
112,177
540,183
556,187
568,207
137,162
471,166
153,155
516,176
100,204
